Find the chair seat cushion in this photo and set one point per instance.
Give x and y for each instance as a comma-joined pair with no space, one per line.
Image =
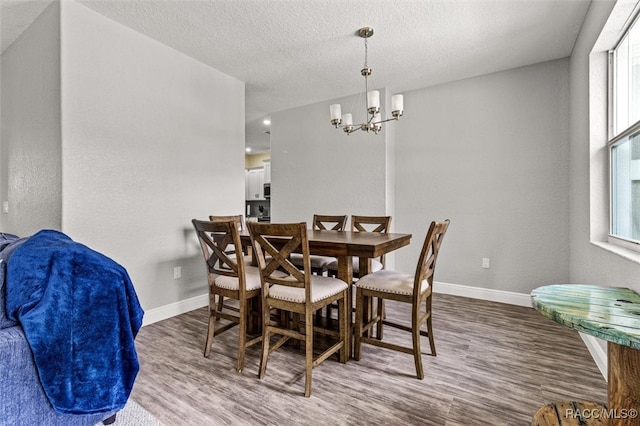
252,280
317,262
390,282
376,265
321,288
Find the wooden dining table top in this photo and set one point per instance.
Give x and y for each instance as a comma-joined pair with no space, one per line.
350,243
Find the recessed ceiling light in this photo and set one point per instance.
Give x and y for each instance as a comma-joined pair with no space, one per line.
266,122
247,149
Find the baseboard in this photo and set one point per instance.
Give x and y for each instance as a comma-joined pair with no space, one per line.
510,297
598,354
173,309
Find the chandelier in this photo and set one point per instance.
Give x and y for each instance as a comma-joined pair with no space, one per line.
374,121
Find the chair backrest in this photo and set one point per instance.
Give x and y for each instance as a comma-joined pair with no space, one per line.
237,217
427,261
221,246
333,223
371,224
273,244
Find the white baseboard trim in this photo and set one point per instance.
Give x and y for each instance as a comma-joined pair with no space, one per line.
510,297
598,354
173,309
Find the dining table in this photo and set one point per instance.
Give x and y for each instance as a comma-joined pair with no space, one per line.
344,246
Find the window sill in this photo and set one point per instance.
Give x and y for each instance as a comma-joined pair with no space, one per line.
628,254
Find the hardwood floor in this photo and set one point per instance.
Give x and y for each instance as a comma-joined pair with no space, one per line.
496,365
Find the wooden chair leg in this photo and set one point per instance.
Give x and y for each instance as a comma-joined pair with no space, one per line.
381,312
415,332
296,325
432,342
265,343
357,332
242,335
210,330
343,324
220,305
308,340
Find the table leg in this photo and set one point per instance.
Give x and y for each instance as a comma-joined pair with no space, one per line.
345,273
364,268
624,384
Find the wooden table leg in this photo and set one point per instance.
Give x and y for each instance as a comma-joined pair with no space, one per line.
364,268
624,384
345,273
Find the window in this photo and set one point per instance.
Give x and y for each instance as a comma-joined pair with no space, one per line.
624,142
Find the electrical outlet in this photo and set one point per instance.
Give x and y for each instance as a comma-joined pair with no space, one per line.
5,207
486,263
177,273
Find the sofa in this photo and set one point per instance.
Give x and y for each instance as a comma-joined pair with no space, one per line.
24,400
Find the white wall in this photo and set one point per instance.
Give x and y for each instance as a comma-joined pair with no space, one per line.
150,139
120,149
316,168
30,150
491,154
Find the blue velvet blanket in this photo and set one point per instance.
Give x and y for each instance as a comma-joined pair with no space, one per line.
80,314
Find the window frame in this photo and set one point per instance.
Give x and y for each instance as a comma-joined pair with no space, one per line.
621,137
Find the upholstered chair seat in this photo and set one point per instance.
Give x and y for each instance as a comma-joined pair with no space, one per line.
252,280
321,288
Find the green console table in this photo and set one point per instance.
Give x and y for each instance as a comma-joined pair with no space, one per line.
611,314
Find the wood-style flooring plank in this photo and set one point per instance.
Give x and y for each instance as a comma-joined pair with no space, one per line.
496,365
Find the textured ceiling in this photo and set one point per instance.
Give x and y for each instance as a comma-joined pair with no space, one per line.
296,52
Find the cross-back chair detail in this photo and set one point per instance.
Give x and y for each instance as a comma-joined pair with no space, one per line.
415,289
228,277
379,224
295,290
329,222
322,222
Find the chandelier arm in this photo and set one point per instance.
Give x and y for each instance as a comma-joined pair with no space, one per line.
354,127
384,121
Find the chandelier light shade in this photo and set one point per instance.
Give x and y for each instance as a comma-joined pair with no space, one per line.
373,119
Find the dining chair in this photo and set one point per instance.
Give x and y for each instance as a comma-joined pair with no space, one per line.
364,224
229,277
241,227
322,222
360,223
414,289
245,250
299,293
